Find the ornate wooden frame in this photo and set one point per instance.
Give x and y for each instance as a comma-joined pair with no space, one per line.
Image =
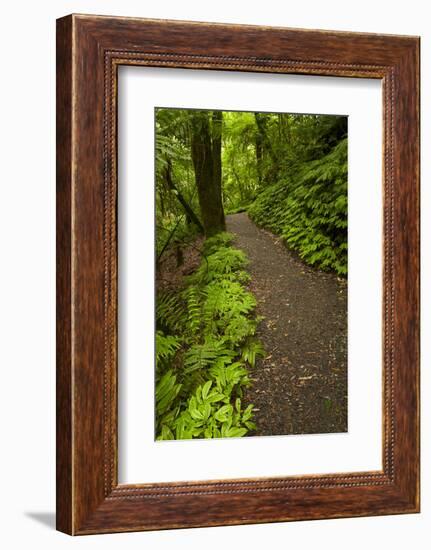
89,51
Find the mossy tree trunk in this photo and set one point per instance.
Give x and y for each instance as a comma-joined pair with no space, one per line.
206,135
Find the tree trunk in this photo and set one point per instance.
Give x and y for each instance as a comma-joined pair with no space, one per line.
206,156
217,122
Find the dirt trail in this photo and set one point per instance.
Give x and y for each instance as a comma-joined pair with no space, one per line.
301,385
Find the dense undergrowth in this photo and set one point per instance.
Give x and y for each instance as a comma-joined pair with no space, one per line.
308,209
205,346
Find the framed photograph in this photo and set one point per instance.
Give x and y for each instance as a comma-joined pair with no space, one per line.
237,274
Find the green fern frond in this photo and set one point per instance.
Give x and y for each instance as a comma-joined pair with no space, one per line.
309,210
215,316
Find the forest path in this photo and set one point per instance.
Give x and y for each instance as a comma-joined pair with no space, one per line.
301,384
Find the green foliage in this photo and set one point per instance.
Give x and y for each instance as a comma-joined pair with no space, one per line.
202,356
166,391
251,351
221,240
309,210
240,181
169,313
289,171
166,347
201,374
208,415
172,148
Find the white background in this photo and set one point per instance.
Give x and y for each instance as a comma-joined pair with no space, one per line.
27,273
141,458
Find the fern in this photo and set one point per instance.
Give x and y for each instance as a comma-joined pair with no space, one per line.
224,263
201,356
170,312
192,296
201,375
166,347
226,301
166,391
309,210
217,241
251,351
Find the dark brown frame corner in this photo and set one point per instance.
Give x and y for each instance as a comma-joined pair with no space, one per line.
89,51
